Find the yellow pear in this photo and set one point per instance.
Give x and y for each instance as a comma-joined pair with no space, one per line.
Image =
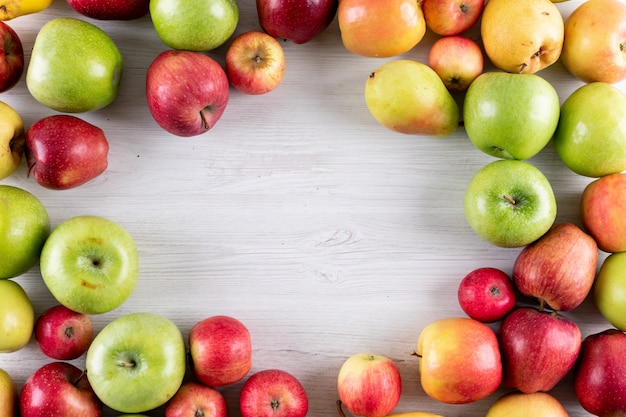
522,36
11,140
8,395
517,404
10,9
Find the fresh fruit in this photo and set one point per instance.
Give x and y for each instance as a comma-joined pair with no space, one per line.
59,389
510,116
457,60
405,414
74,66
452,17
273,393
519,404
559,268
63,334
369,385
24,228
11,9
90,264
195,399
602,209
598,381
593,46
538,349
11,57
522,37
255,62
509,203
186,105
17,317
194,26
9,402
590,137
609,291
299,21
393,101
137,362
220,348
373,28
486,294
11,140
459,360
111,10
64,151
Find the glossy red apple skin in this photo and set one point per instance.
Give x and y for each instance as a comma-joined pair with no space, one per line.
221,350
187,92
111,9
59,389
558,268
451,17
273,393
11,57
299,21
65,151
63,334
599,382
195,399
486,294
538,349
255,63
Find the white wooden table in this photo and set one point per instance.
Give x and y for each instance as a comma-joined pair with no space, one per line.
325,233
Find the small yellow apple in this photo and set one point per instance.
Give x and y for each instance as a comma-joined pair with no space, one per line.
8,395
517,404
10,9
11,140
17,317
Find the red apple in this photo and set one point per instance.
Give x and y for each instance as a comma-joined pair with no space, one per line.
602,208
273,393
59,389
538,349
457,60
299,21
255,63
11,57
194,399
558,268
451,17
63,334
369,385
221,350
599,382
187,92
64,151
486,294
111,9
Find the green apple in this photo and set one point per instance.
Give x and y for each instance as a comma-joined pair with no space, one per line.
509,203
609,290
511,116
17,317
8,395
90,264
24,228
200,25
395,102
137,362
74,66
591,135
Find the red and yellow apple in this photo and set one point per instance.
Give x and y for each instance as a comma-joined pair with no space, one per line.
518,404
458,60
451,17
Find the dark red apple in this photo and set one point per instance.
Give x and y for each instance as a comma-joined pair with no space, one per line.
111,9
64,151
187,92
296,20
194,399
11,57
273,393
538,349
62,333
59,389
486,294
599,381
558,268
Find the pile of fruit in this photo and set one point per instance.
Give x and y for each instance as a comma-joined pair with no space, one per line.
515,334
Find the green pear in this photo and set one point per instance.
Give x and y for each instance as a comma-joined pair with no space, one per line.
591,135
510,116
409,97
74,66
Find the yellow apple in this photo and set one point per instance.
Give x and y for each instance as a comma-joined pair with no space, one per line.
17,317
11,140
517,404
8,395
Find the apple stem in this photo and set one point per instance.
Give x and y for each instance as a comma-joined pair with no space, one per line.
205,123
541,304
80,377
414,353
510,199
340,409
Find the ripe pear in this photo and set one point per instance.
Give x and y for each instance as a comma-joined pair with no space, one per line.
522,36
10,9
408,97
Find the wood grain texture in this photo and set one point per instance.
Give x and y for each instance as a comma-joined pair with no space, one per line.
323,232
